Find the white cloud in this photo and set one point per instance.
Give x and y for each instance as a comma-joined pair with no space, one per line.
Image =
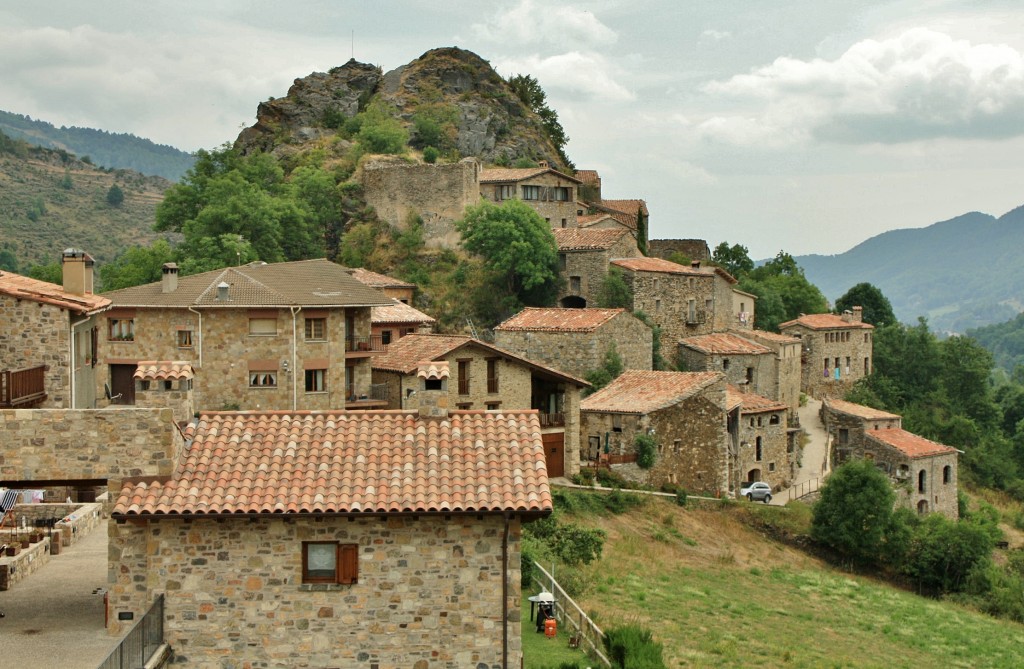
532,23
710,35
919,85
589,75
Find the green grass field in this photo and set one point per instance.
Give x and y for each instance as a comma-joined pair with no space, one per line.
541,652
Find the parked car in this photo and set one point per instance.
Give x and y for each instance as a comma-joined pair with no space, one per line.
758,490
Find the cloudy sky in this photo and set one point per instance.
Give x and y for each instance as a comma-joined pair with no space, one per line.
804,125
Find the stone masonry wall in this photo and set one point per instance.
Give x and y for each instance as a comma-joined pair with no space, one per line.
666,298
71,444
786,373
578,353
694,249
559,214
591,267
852,347
429,592
31,334
735,367
777,466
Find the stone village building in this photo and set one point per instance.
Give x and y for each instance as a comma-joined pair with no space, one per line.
924,473
403,291
685,412
762,447
549,192
836,351
584,255
398,319
292,335
485,376
48,337
577,340
335,539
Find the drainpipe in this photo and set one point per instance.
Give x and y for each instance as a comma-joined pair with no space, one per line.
200,344
295,370
504,594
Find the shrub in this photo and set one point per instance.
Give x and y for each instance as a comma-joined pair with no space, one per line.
430,155
584,477
610,479
646,450
115,196
633,646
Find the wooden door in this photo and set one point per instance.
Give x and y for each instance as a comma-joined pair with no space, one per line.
554,453
122,384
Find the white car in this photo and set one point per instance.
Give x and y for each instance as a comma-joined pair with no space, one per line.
758,490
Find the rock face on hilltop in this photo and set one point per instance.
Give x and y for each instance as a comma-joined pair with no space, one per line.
484,116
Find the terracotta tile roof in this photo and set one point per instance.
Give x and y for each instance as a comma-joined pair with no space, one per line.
155,370
504,174
750,402
909,443
629,207
724,343
825,322
589,177
859,410
628,220
587,220
318,283
399,312
408,353
774,336
434,370
585,239
641,392
375,280
669,267
356,462
25,288
559,320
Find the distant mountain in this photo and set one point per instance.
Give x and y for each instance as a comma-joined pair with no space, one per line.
962,273
105,149
50,200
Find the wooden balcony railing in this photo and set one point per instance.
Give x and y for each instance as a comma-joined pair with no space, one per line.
19,387
552,419
372,343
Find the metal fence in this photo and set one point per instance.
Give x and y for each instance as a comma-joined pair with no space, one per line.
567,611
141,642
805,488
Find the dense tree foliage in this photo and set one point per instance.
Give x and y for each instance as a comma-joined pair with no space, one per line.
609,370
876,307
614,292
529,91
733,259
1005,341
854,514
136,266
782,290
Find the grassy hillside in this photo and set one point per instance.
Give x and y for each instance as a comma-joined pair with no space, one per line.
49,202
719,593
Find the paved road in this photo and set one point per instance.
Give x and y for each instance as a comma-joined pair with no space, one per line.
814,462
54,618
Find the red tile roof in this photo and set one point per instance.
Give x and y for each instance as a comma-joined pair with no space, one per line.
375,280
669,267
909,444
859,410
586,220
155,370
750,402
399,312
25,288
641,392
825,322
504,174
774,336
406,354
723,343
559,320
585,239
589,177
627,206
378,462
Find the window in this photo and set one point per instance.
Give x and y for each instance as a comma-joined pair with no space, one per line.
750,375
616,423
330,562
922,480
844,436
493,406
561,261
691,311
531,192
316,328
184,339
560,194
657,306
565,223
262,379
771,466
385,337
759,421
867,366
947,474
316,380
758,450
774,419
492,375
574,284
506,192
725,363
263,326
433,384
677,445
464,377
464,406
121,329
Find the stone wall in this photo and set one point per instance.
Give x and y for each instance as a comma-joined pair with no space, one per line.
759,368
429,591
558,213
666,299
56,444
437,193
223,353
591,267
32,334
694,249
578,353
787,371
852,347
175,395
778,464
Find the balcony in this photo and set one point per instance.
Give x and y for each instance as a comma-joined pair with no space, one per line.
364,346
551,420
22,387
376,397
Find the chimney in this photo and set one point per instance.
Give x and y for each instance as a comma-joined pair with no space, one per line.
847,316
695,264
169,279
222,291
543,163
431,400
76,271
858,314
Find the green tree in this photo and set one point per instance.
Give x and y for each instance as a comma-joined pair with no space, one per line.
783,292
8,261
517,247
529,91
66,182
609,370
50,272
136,266
380,130
854,515
876,306
942,553
646,450
614,292
733,259
115,196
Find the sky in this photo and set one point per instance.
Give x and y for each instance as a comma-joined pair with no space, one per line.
805,125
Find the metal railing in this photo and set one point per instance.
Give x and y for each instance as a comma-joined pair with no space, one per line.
804,489
372,343
141,642
552,419
22,386
568,612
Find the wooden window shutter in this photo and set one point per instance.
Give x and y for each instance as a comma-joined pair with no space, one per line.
348,563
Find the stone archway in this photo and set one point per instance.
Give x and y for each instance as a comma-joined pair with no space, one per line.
574,302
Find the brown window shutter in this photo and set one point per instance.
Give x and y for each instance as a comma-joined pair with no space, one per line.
348,563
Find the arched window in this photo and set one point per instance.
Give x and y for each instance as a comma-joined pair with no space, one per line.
921,480
947,474
922,507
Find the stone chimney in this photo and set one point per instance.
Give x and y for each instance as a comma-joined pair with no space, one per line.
695,264
222,291
847,316
543,163
431,400
76,271
858,314
169,279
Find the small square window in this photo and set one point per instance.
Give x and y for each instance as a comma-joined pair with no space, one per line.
330,562
121,329
316,328
316,380
262,379
493,406
184,339
263,326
